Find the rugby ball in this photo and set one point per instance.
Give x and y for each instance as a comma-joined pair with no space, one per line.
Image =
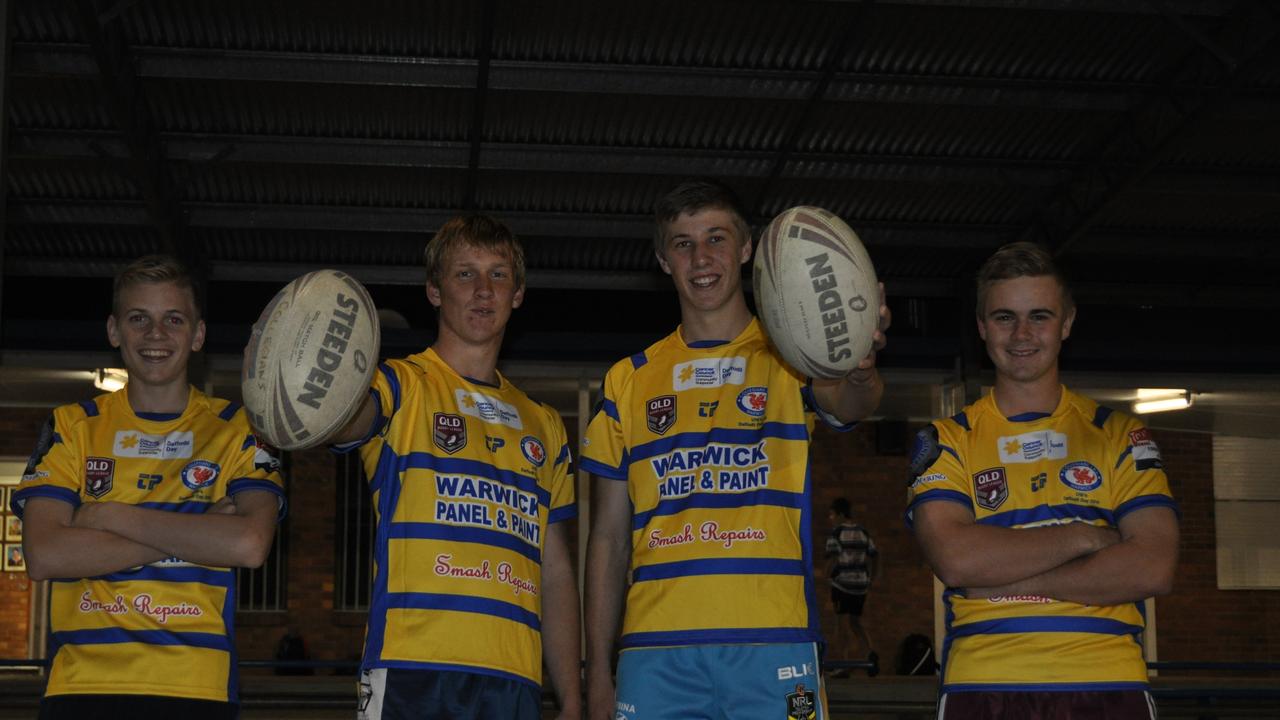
816,292
310,359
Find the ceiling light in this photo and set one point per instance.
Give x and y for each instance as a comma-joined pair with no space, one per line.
1177,402
110,379
1160,393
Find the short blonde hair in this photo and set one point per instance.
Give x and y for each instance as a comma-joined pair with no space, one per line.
1015,260
478,231
155,269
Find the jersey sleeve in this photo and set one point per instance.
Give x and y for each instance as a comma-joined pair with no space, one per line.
936,471
256,468
604,447
386,392
564,500
55,469
1140,480
811,404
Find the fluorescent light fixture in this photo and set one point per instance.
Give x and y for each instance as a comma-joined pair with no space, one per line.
1160,393
1177,402
110,379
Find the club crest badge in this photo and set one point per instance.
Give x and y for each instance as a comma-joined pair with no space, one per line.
450,432
98,476
752,401
1080,476
533,450
660,414
801,704
990,488
200,474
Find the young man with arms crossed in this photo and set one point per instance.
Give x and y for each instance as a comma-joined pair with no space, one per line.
473,584
700,452
1047,516
137,504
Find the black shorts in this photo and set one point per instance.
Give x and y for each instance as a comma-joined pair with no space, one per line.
847,603
1102,705
133,707
402,694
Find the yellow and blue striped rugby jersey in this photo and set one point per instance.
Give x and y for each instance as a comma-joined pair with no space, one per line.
165,628
713,442
466,477
1081,463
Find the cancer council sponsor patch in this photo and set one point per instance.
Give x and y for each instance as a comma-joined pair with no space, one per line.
533,450
990,488
1032,447
709,372
200,474
753,400
488,409
1080,476
1146,454
134,444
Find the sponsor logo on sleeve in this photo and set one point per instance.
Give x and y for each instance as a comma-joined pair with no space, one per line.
925,450
43,444
99,473
752,401
1032,447
134,444
200,474
660,413
449,432
263,458
709,372
990,488
1146,454
533,450
1081,476
488,409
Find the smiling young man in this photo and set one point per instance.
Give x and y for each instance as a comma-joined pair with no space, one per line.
474,585
1048,517
700,451
137,504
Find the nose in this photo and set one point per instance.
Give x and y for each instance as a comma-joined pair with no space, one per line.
1022,329
701,254
484,285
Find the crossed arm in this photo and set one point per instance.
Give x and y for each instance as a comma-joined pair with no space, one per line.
1076,561
99,538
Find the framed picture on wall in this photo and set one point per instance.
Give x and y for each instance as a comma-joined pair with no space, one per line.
12,528
14,560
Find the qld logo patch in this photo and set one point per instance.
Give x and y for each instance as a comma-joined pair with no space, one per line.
752,400
533,450
449,432
801,704
990,488
1080,476
660,413
200,474
98,476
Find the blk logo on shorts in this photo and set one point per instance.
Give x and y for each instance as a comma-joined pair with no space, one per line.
660,413
450,432
801,704
98,475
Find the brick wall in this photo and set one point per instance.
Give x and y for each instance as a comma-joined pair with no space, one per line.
19,428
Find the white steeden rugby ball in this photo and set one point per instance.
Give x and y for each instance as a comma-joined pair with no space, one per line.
816,292
310,359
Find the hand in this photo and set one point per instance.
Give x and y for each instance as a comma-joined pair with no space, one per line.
866,367
601,701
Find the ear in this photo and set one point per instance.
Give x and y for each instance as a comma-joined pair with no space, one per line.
517,298
197,338
113,331
662,262
1067,322
982,329
746,251
433,294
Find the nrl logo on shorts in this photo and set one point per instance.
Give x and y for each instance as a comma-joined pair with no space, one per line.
801,704
98,474
990,488
450,432
660,413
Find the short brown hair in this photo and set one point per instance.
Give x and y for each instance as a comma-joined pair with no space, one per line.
692,196
155,269
479,231
1015,260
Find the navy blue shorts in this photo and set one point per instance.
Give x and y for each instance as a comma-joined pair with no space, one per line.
133,707
1066,705
397,694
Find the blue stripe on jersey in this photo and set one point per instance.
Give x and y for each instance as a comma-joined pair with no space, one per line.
1028,416
674,506
719,636
385,484
598,468
394,383
563,456
638,361
182,574
728,436
719,566
934,495
462,466
449,667
229,411
242,484
112,636
189,507
1014,625
562,513
158,416
962,420
1067,511
453,533
1101,414
90,408
806,551
1044,687
62,494
464,603
248,442
948,448
1143,501
1120,460
610,408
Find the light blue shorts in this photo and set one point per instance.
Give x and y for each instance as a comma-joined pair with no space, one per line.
721,682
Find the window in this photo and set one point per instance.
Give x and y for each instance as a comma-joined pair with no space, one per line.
1246,501
354,533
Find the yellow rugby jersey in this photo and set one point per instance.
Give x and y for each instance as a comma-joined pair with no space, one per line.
713,442
1081,463
466,477
166,628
